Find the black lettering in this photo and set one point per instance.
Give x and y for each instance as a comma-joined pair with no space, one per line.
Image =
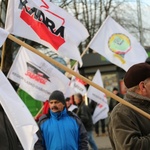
60,31
50,24
39,15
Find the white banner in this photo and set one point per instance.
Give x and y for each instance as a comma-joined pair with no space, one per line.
101,111
36,76
3,36
18,114
114,43
46,23
77,84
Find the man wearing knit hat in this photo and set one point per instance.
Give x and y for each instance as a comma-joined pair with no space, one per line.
60,129
129,130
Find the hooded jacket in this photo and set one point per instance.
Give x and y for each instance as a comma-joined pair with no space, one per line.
129,130
61,131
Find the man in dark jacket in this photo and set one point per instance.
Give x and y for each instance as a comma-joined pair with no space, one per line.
60,129
113,102
85,115
8,137
128,129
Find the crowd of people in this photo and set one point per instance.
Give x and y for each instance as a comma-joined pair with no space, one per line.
67,122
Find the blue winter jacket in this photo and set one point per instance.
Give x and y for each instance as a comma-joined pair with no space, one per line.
61,131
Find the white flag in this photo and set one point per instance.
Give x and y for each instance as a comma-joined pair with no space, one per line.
3,36
101,111
114,43
77,84
46,23
36,76
18,114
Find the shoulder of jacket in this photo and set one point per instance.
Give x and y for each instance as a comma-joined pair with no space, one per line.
43,118
75,116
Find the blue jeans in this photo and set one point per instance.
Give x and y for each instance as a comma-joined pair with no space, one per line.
91,141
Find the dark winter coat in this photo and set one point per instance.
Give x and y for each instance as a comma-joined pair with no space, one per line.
84,114
129,130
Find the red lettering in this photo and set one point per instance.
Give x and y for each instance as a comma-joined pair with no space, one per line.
36,77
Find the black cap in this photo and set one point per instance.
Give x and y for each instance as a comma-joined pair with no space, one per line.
136,74
57,95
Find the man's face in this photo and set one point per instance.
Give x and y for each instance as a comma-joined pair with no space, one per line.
115,92
146,88
76,99
68,103
56,106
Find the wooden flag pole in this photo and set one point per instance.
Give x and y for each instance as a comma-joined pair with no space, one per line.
3,55
110,94
35,117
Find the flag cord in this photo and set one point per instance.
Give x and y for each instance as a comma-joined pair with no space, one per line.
65,68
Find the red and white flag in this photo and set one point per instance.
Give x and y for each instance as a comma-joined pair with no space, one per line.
114,43
77,84
36,76
18,114
101,111
47,24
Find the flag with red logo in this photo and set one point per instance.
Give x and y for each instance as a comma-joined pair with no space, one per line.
77,84
101,110
36,76
47,24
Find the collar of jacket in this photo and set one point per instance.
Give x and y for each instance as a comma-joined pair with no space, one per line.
58,115
132,96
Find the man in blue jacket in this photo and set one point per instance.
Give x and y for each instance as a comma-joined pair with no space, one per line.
60,129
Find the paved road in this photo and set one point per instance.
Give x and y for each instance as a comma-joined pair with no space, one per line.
102,142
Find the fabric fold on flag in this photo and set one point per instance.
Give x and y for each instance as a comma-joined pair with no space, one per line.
117,45
15,109
3,36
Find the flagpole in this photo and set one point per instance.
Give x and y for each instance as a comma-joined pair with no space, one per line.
38,112
99,30
3,55
110,94
91,41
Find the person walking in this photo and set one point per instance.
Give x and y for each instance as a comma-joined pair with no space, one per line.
128,129
92,106
85,115
113,102
60,129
